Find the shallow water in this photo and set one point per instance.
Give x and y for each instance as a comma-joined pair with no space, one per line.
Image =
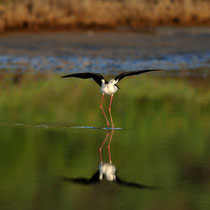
161,157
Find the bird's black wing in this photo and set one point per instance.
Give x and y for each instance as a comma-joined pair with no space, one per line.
86,75
84,181
132,184
130,73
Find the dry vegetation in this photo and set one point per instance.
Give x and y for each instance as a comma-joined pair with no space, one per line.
38,14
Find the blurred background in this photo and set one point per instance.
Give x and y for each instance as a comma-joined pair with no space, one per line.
52,127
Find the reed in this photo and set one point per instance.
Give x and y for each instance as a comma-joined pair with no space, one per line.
101,14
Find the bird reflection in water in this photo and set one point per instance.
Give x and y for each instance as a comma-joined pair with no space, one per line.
107,170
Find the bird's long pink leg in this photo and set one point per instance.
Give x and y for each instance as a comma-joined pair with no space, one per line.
101,106
107,135
110,159
110,105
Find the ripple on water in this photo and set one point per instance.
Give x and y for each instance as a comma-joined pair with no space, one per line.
102,65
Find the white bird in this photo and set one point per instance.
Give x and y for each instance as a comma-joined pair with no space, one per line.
108,170
107,88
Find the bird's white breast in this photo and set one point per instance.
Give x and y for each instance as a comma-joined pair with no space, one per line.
108,89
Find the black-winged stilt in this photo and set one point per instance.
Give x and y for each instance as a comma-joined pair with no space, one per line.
97,178
106,171
107,88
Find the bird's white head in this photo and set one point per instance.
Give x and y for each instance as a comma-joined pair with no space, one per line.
113,81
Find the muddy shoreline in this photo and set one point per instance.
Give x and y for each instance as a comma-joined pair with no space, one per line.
114,44
141,28
107,52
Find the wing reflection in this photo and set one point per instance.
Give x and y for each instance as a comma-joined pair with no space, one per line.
107,170
94,179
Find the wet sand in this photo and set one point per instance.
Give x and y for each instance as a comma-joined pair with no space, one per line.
157,42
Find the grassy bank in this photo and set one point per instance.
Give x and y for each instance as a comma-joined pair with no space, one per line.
102,14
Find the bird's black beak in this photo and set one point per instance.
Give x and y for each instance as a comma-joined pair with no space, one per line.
117,86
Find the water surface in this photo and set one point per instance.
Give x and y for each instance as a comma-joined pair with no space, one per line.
164,145
49,127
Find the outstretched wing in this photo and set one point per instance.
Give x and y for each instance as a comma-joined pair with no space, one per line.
130,73
86,75
84,181
132,184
